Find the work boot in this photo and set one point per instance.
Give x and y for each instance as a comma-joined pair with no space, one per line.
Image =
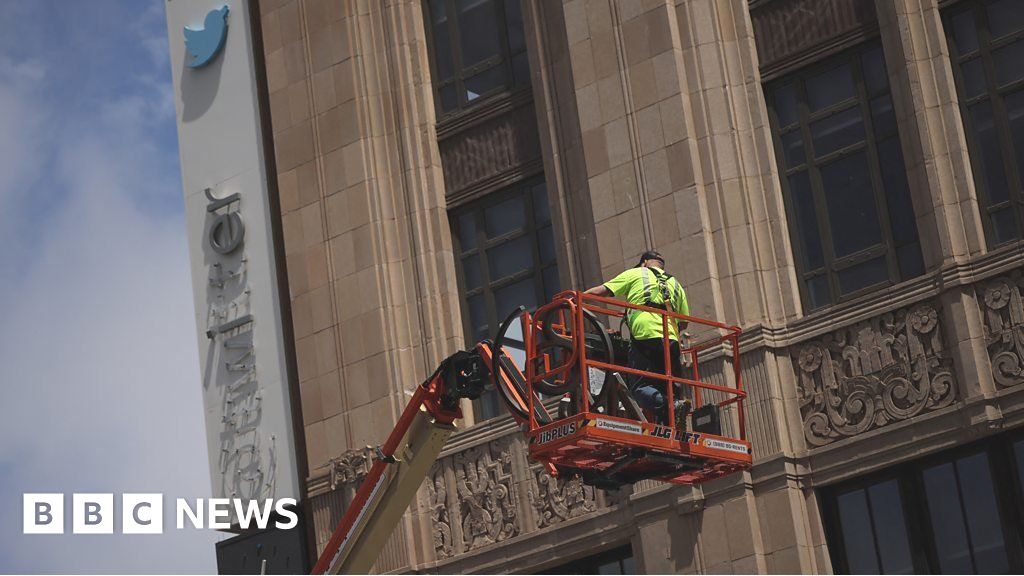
682,408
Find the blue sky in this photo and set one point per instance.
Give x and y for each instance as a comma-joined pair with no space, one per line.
99,377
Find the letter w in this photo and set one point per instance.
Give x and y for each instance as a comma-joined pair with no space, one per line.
252,509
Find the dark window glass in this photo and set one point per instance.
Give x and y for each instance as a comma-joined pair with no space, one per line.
1004,225
514,25
965,517
617,561
485,82
974,77
987,49
954,513
507,259
552,285
807,220
1018,453
522,293
478,326
890,528
858,537
449,98
982,513
990,154
505,217
884,117
1005,17
965,35
819,293
947,520
863,275
547,245
1009,63
1014,104
541,209
478,22
793,148
442,41
471,273
851,215
479,49
467,232
785,104
874,531
837,131
510,258
875,77
829,87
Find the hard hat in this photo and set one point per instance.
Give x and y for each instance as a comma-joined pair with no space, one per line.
651,255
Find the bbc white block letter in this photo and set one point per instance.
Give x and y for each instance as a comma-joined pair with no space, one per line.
142,513
92,513
43,513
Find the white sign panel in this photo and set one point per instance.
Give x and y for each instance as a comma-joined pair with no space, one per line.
245,388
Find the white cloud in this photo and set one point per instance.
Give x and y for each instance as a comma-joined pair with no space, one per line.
99,385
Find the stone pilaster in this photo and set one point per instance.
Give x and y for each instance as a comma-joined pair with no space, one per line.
938,169
367,241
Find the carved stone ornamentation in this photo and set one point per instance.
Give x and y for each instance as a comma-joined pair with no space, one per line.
437,491
886,369
557,499
350,467
1004,328
487,498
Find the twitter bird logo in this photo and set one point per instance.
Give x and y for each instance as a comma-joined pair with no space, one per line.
205,43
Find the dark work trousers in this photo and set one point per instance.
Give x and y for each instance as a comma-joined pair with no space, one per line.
649,355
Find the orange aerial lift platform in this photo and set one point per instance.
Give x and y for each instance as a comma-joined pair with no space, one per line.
572,401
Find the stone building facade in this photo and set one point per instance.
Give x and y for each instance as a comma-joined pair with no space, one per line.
838,177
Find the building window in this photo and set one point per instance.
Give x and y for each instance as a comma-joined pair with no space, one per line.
506,258
874,531
478,50
616,561
844,181
986,41
956,513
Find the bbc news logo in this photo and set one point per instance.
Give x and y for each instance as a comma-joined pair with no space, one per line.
144,513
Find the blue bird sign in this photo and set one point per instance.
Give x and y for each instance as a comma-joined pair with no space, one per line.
203,44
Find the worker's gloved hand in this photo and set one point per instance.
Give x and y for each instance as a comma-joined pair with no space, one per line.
685,359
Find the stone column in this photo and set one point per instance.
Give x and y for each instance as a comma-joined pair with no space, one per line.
367,242
939,172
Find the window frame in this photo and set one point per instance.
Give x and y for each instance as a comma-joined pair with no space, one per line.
459,75
1006,482
996,96
832,266
532,229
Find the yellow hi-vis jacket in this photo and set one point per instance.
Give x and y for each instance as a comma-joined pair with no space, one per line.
649,287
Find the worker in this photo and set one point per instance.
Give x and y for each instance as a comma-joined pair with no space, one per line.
649,285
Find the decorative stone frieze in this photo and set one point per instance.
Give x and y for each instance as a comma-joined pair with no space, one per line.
487,500
557,499
1004,327
889,368
437,492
